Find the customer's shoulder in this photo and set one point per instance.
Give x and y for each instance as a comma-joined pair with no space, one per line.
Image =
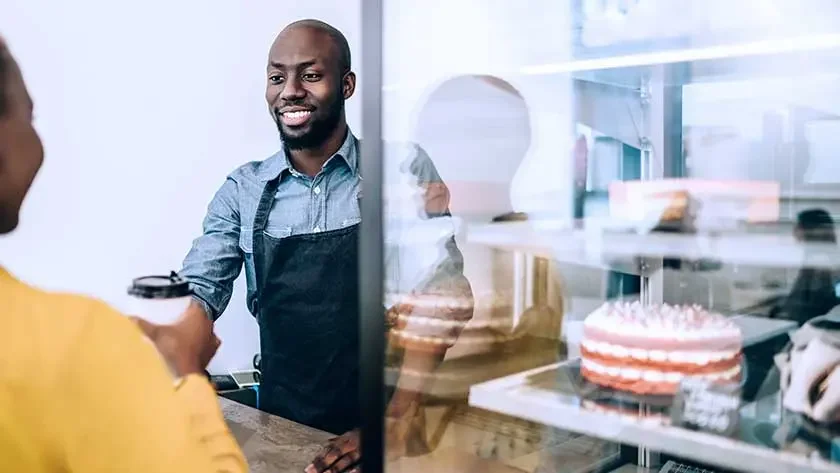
22,294
66,308
35,317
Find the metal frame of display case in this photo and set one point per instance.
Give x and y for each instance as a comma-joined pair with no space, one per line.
660,141
372,271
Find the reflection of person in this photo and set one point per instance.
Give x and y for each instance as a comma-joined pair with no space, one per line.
813,293
81,389
292,220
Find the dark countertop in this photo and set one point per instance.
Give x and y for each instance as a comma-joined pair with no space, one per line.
271,443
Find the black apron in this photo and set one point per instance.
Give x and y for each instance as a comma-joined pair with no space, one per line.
308,314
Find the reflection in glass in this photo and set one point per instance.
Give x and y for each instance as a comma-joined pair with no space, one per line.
666,155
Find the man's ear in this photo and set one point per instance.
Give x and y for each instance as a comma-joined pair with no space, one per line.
348,84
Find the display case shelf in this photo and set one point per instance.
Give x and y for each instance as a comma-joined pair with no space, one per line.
611,248
550,395
519,396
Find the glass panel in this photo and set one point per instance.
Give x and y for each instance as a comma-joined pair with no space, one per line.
603,221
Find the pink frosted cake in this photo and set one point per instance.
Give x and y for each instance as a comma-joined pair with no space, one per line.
650,349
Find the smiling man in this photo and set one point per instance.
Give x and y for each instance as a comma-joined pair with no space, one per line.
293,221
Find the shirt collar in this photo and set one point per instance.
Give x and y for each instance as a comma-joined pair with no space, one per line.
279,162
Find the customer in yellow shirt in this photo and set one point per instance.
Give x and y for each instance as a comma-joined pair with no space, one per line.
81,388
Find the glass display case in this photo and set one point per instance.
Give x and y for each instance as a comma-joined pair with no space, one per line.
604,235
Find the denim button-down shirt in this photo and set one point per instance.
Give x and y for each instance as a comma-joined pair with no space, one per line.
328,201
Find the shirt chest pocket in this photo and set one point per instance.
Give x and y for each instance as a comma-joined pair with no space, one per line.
246,236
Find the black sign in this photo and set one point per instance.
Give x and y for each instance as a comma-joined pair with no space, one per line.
707,406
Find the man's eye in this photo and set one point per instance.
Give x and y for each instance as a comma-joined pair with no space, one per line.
275,79
312,77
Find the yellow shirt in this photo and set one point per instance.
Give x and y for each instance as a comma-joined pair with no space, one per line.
82,390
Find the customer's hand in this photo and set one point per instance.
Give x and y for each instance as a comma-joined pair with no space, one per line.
341,455
188,345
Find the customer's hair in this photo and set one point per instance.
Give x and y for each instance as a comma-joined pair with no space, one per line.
816,225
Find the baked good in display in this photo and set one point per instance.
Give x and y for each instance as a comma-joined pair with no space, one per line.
443,320
650,349
675,204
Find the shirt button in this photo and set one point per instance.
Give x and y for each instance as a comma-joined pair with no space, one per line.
316,229
317,190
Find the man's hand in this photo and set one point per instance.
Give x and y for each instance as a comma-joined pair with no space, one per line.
188,345
341,455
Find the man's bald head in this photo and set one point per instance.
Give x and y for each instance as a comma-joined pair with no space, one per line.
308,80
342,48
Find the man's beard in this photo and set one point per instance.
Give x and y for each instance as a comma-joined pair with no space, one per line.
319,131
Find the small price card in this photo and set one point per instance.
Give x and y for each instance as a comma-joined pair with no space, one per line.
707,406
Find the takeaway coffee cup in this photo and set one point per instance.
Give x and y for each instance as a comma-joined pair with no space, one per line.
159,299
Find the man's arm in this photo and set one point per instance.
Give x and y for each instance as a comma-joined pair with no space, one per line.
215,260
120,409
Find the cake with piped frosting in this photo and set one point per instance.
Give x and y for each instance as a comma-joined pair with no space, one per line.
649,349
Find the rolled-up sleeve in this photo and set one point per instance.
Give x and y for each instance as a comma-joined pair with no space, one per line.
431,312
215,259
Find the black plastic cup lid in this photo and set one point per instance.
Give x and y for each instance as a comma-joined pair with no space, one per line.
160,287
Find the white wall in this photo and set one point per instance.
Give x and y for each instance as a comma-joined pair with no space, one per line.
143,108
